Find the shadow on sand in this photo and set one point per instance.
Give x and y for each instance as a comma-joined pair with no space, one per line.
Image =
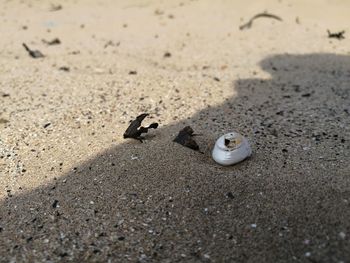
289,202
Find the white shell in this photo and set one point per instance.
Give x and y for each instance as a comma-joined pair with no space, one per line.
236,149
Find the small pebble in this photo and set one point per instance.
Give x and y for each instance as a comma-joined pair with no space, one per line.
230,195
342,235
167,54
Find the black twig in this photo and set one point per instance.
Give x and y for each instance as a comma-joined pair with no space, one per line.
250,22
33,53
338,35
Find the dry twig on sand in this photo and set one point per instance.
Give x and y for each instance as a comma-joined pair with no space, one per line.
250,22
339,35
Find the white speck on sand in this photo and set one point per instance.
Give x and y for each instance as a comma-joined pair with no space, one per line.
206,256
134,157
342,235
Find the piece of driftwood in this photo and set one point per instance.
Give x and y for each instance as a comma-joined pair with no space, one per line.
250,22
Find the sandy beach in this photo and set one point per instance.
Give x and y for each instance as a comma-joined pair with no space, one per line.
73,190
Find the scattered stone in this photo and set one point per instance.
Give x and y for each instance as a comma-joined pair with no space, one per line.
230,195
167,54
2,121
158,12
55,204
134,157
342,235
55,7
111,43
305,95
75,52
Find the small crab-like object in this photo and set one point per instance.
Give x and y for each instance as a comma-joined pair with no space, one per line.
135,129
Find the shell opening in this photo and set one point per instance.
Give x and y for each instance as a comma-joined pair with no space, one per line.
232,141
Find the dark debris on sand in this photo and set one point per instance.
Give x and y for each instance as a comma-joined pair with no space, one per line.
135,129
338,35
249,24
185,138
33,53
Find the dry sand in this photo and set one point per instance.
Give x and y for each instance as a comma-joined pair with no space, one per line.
71,189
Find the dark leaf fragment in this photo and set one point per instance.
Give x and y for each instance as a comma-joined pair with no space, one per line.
33,53
135,129
55,8
112,44
55,204
338,35
250,22
185,138
55,41
2,120
64,68
230,195
305,95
